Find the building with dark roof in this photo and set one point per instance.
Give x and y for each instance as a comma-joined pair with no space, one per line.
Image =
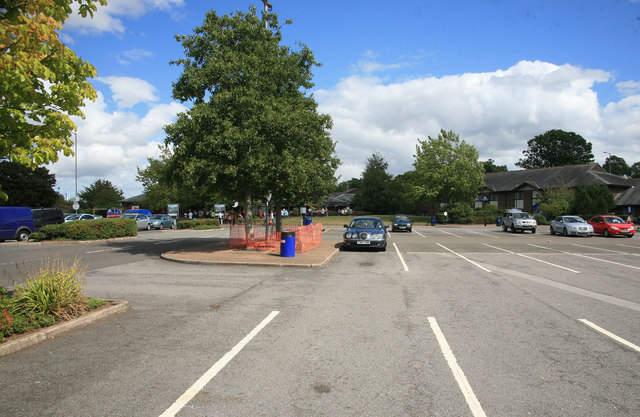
521,189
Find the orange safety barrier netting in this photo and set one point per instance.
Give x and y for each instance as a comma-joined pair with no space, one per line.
307,237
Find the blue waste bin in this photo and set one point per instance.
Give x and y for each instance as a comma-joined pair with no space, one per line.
306,220
288,244
433,220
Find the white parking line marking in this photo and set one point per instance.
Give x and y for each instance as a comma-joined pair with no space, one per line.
217,367
483,234
628,246
20,262
449,233
607,250
611,335
466,259
466,389
404,265
103,250
420,234
584,256
532,258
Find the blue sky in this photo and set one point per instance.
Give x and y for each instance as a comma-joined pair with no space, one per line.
496,72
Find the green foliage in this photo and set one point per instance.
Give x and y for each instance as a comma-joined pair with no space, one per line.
556,148
447,170
635,170
95,303
37,236
556,202
54,290
489,167
199,224
90,229
460,213
617,165
591,200
102,193
375,191
540,219
42,83
251,129
27,187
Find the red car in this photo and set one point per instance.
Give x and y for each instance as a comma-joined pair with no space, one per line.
611,226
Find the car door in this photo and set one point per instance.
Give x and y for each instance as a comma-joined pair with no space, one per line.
598,225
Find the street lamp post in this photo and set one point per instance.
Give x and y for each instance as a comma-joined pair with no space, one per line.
76,157
609,161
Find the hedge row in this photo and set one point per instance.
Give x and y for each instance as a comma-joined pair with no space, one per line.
199,224
88,230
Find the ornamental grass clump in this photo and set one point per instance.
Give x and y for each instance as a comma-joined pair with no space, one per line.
53,290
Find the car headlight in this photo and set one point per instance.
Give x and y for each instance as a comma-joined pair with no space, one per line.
614,228
377,236
350,235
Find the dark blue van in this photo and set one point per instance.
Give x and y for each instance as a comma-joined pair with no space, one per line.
16,223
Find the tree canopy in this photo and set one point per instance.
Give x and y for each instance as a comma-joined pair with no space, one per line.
635,170
489,166
447,170
591,200
617,165
556,148
252,129
27,187
102,194
374,187
42,81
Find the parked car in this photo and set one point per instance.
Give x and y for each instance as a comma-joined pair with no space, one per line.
142,221
611,226
78,216
44,216
161,221
365,232
515,220
16,223
571,226
401,222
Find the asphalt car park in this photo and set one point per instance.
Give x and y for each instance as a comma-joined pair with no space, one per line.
448,321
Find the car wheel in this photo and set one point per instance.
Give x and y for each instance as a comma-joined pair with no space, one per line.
409,230
564,232
161,226
551,230
23,236
504,227
606,233
148,226
173,225
630,236
533,231
513,228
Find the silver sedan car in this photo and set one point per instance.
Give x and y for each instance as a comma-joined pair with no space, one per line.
141,220
571,226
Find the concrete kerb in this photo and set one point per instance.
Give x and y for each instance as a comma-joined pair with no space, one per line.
40,335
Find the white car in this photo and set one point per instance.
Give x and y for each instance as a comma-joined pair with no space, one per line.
518,220
141,220
79,216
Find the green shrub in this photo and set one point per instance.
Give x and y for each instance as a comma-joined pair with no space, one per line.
540,219
199,224
37,236
460,213
95,303
91,229
53,290
54,231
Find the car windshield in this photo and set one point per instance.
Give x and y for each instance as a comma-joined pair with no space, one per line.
128,216
73,217
366,224
521,216
157,216
574,220
401,217
615,220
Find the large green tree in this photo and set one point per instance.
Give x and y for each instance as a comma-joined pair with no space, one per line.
101,194
251,129
26,186
591,200
635,170
447,170
489,166
375,194
556,148
42,81
617,165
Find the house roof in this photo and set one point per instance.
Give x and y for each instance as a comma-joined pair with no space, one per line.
134,199
543,178
629,197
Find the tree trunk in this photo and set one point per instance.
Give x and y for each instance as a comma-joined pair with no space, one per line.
248,217
277,206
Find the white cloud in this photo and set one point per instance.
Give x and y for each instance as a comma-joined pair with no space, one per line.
497,112
628,88
133,55
111,145
128,91
108,18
